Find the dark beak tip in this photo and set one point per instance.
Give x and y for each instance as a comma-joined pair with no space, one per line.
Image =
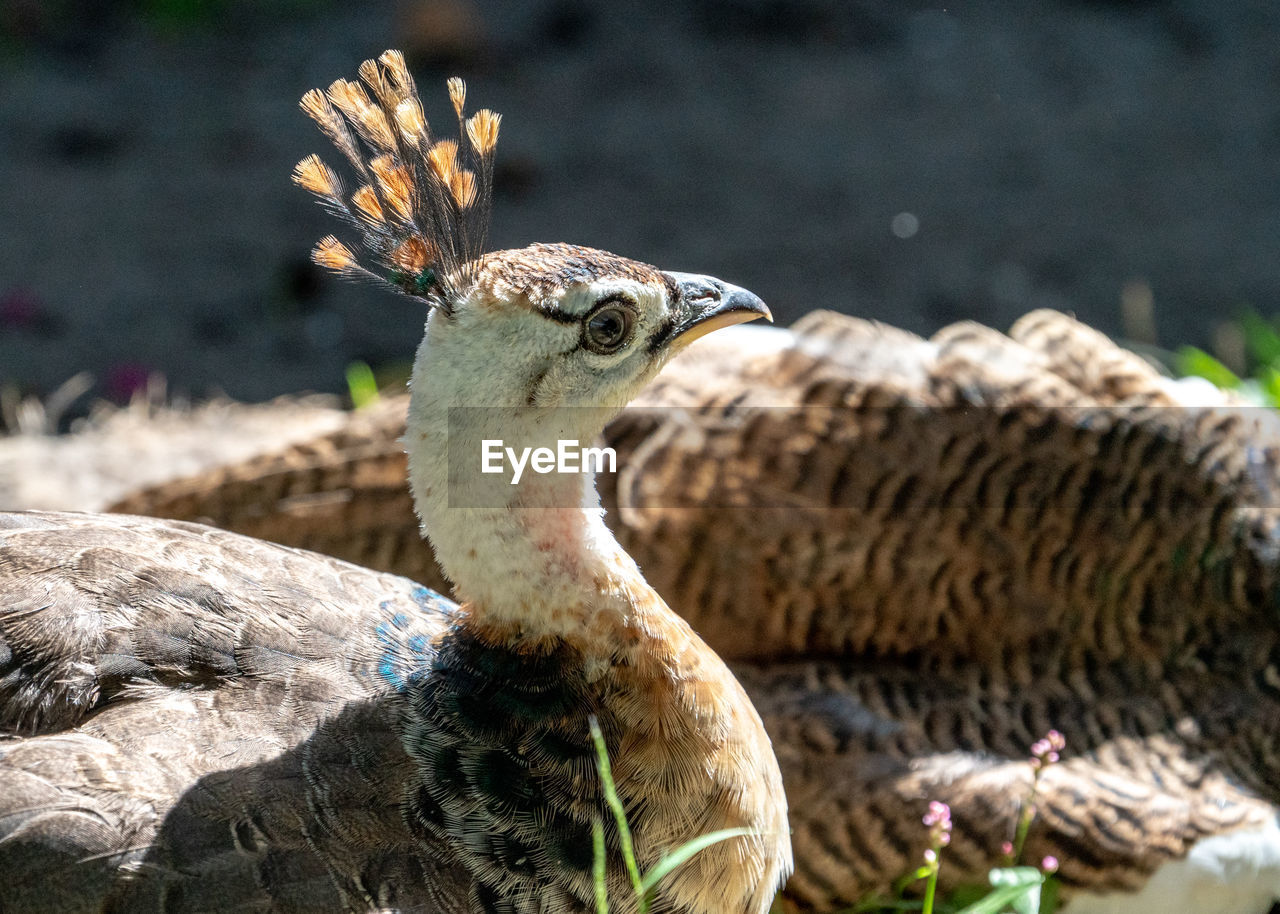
742,300
708,304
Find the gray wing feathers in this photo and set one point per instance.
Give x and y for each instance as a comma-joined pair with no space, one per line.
207,729
90,604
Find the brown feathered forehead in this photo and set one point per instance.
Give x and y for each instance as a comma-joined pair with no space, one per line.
540,271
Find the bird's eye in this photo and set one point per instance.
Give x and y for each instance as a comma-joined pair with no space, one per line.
608,327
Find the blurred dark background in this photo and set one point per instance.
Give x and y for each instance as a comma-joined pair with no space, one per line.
905,161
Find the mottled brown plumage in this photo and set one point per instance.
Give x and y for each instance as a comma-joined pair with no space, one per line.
540,269
862,748
925,554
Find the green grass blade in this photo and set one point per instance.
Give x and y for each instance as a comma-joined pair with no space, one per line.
597,868
1016,886
1269,384
687,850
930,890
998,900
615,805
1049,896
1192,361
361,384
1260,337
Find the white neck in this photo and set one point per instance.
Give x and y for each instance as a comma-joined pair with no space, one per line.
537,553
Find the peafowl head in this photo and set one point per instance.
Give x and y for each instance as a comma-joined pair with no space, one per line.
535,347
561,326
549,325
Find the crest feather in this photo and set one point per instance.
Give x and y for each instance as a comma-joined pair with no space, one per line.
411,121
398,72
482,130
443,159
332,254
313,175
463,187
368,207
318,108
370,121
376,79
457,95
422,204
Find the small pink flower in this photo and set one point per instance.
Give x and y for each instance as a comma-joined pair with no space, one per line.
938,818
1046,751
930,856
1049,864
938,814
1007,849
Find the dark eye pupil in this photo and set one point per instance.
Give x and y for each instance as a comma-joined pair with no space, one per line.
608,327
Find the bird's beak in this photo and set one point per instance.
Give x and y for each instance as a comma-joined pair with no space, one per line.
707,304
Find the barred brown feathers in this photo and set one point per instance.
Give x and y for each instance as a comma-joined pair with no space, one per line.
422,205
